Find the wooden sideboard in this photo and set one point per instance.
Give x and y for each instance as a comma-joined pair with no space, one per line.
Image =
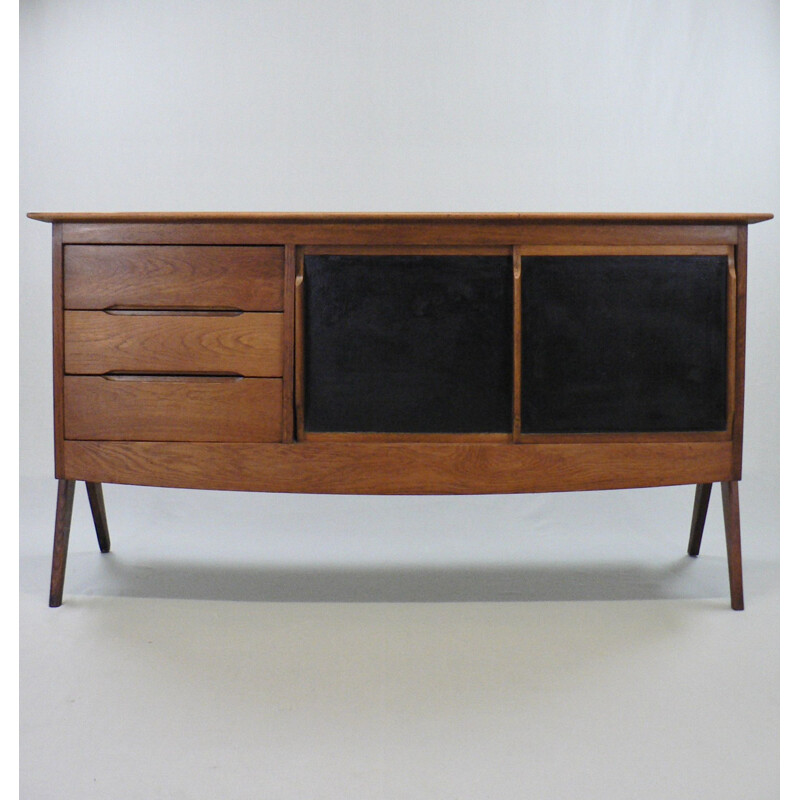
399,354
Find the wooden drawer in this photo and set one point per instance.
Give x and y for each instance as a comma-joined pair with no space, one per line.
173,276
249,344
173,409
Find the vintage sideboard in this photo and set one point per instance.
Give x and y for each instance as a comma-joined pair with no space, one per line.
399,354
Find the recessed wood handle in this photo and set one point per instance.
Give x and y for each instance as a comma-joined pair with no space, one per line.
173,312
154,376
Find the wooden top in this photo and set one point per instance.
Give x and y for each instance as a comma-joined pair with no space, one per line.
579,218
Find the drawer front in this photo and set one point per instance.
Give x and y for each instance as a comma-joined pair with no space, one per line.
183,409
173,276
248,344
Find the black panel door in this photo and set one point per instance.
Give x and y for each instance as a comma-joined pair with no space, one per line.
623,343
408,344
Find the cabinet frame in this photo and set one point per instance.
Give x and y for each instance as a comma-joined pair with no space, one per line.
692,457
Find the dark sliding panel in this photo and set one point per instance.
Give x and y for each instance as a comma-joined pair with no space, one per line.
408,344
623,343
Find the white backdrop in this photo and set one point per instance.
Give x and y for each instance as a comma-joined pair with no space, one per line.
402,105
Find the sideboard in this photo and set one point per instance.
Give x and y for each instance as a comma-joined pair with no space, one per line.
399,354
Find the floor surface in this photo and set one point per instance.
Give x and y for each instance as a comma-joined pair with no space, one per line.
245,646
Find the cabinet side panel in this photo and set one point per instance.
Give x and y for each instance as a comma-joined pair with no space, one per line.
58,349
741,303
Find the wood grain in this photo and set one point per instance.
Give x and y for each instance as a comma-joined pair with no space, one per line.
741,313
299,349
290,259
249,344
201,410
376,436
106,276
646,436
516,418
58,350
624,250
98,508
365,468
66,494
730,511
701,496
444,233
731,336
405,250
402,217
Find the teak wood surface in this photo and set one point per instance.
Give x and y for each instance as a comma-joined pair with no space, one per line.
247,344
113,276
157,316
290,261
58,348
181,408
399,467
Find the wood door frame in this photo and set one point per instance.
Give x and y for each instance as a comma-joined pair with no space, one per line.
299,386
732,396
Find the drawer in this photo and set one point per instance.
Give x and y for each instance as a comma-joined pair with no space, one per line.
200,409
173,276
97,342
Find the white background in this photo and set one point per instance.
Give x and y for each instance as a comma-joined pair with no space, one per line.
421,674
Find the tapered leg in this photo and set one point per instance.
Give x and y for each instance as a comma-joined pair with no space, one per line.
730,510
66,492
701,497
95,492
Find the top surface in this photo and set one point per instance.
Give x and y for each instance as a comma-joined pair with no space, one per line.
554,217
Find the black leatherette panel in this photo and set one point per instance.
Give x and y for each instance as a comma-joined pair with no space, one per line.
623,343
408,343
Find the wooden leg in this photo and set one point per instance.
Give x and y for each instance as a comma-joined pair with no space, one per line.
730,510
701,497
66,492
95,492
